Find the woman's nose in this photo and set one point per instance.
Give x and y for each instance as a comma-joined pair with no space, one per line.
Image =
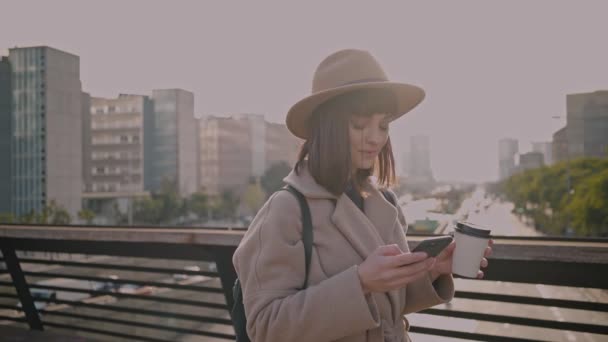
374,136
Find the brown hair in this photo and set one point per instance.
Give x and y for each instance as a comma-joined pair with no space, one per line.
328,146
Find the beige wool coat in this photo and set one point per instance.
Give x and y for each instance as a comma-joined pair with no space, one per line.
271,266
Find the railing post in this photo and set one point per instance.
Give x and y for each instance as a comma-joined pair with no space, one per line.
223,260
23,290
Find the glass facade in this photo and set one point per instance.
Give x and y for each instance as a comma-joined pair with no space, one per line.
5,135
165,140
28,152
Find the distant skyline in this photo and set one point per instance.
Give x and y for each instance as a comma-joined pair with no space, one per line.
490,70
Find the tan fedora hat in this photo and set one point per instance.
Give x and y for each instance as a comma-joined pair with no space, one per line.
344,71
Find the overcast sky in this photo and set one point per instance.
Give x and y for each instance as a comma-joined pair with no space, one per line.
490,69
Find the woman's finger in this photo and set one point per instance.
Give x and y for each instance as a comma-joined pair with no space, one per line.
402,281
484,263
449,250
480,274
409,270
406,259
488,252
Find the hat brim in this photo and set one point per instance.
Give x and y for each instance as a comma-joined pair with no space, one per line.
408,96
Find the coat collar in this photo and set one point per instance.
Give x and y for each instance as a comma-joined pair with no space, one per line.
365,231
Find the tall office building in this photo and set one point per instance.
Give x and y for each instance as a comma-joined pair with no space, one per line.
418,165
5,135
114,146
546,149
559,146
173,154
233,149
587,125
530,160
507,150
45,130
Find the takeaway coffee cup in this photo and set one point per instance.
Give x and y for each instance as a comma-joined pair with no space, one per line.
471,242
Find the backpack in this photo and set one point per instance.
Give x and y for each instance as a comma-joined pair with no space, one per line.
239,320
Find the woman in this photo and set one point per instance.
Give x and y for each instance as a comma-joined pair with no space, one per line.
362,277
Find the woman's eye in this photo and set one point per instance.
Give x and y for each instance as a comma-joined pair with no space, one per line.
384,128
358,126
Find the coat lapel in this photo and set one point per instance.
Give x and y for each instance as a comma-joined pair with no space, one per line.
381,213
356,227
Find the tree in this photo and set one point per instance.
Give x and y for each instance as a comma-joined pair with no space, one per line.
225,205
147,210
163,207
61,217
588,208
569,197
86,215
7,218
199,204
254,196
272,179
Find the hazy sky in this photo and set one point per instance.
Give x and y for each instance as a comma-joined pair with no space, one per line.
490,69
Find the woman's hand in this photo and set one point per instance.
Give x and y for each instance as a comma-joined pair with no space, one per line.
388,268
444,261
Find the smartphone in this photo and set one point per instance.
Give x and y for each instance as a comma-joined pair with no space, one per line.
433,246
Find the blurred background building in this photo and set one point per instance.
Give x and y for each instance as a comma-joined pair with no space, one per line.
41,142
234,149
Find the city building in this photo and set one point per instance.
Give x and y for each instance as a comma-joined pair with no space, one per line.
417,164
5,135
559,146
507,150
234,149
530,160
281,145
546,149
587,125
114,146
116,133
43,142
173,153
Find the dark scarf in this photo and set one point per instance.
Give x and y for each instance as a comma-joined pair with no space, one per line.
354,195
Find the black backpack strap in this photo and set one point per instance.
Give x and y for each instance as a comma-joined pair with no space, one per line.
307,235
389,196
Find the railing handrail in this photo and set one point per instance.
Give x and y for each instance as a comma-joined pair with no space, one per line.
594,251
216,237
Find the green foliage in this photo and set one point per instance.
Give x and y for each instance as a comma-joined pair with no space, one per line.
200,205
543,195
7,218
52,213
272,179
86,215
254,197
225,206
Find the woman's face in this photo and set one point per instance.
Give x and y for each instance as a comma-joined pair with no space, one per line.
367,135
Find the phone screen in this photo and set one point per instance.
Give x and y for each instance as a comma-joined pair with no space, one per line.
433,246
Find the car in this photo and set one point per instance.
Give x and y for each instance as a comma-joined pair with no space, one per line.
41,294
107,286
181,276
